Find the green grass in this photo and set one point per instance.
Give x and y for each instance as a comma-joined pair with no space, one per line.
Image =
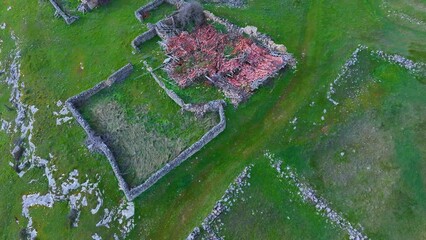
321,34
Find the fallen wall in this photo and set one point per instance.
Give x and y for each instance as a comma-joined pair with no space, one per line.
169,92
68,19
139,14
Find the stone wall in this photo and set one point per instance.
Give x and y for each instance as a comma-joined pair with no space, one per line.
169,92
155,4
68,19
118,76
139,40
148,7
94,142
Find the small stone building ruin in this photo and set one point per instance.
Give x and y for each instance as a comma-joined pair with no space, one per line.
237,61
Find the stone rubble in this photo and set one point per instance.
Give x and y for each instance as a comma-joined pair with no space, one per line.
70,190
416,68
121,215
95,236
393,13
223,205
63,114
344,70
229,3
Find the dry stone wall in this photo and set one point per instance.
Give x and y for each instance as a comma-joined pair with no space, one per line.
139,40
262,39
139,14
68,19
148,7
94,142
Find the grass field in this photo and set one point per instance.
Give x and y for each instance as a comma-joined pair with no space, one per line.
384,124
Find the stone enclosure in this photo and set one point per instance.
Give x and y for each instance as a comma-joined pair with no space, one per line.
97,144
165,29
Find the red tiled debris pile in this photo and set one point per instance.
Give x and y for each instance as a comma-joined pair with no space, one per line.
206,52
